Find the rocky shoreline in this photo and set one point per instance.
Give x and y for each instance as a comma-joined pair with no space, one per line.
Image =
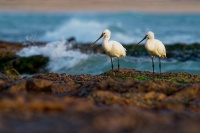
124,101
12,64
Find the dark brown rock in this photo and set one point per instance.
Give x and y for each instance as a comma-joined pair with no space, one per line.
125,101
36,85
18,87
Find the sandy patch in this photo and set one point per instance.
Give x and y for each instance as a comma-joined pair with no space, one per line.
163,6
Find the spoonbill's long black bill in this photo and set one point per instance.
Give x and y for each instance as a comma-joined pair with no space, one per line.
96,40
140,42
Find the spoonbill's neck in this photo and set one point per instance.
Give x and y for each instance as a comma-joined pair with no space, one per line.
106,40
150,39
105,44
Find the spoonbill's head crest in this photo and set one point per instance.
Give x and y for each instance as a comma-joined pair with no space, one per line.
150,35
104,34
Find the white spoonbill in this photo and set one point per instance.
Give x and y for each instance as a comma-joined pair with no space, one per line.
154,47
112,48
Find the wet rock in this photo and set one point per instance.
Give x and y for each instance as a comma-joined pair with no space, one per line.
49,76
42,103
18,87
3,85
154,96
64,89
36,85
187,93
30,65
107,98
31,85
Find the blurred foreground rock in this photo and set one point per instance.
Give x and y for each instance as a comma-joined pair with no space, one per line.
125,101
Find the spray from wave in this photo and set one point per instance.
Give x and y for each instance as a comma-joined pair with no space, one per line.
61,58
82,30
87,31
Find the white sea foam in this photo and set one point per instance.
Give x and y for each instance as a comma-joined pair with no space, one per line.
60,57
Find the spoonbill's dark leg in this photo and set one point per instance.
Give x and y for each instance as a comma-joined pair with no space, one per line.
118,63
111,63
160,65
152,57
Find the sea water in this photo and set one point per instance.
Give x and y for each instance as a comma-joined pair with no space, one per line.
86,27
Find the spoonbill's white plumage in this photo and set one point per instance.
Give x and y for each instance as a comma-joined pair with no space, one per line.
154,47
112,48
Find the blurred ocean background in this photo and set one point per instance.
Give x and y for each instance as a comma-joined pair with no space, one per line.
86,27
